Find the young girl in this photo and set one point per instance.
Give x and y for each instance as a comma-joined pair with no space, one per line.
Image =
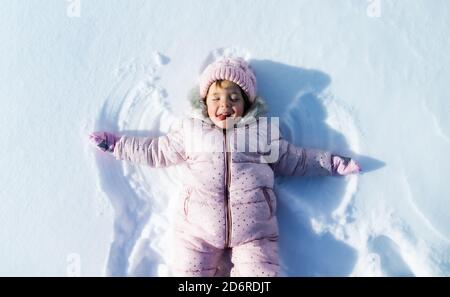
228,198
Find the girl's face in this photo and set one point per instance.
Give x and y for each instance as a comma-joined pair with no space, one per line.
225,103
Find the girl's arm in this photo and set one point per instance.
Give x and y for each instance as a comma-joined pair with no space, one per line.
160,151
311,162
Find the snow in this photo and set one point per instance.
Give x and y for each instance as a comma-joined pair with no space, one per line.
367,79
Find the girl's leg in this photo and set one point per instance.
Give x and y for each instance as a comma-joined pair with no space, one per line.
194,257
256,258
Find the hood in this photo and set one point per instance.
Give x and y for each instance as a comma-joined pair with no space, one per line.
256,110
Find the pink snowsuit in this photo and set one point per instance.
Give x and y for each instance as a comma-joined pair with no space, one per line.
228,198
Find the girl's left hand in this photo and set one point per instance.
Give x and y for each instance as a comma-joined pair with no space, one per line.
344,165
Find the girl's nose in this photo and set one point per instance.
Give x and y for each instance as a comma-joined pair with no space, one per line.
225,102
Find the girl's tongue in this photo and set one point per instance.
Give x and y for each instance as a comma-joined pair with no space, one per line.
223,116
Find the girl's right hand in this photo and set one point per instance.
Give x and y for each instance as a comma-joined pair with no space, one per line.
344,166
104,141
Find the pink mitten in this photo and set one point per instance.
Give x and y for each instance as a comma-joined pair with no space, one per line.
344,165
105,141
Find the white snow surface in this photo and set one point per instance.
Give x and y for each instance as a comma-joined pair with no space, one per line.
366,79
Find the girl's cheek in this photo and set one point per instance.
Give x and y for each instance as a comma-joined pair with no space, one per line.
239,110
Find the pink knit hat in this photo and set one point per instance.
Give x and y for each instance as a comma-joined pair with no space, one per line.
236,70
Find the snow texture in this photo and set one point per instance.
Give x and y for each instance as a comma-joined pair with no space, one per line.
366,79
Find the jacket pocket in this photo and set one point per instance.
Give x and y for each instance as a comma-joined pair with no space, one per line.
269,202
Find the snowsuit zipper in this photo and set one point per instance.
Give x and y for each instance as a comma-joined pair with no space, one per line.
227,174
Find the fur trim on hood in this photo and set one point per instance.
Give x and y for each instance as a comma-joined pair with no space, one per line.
256,110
